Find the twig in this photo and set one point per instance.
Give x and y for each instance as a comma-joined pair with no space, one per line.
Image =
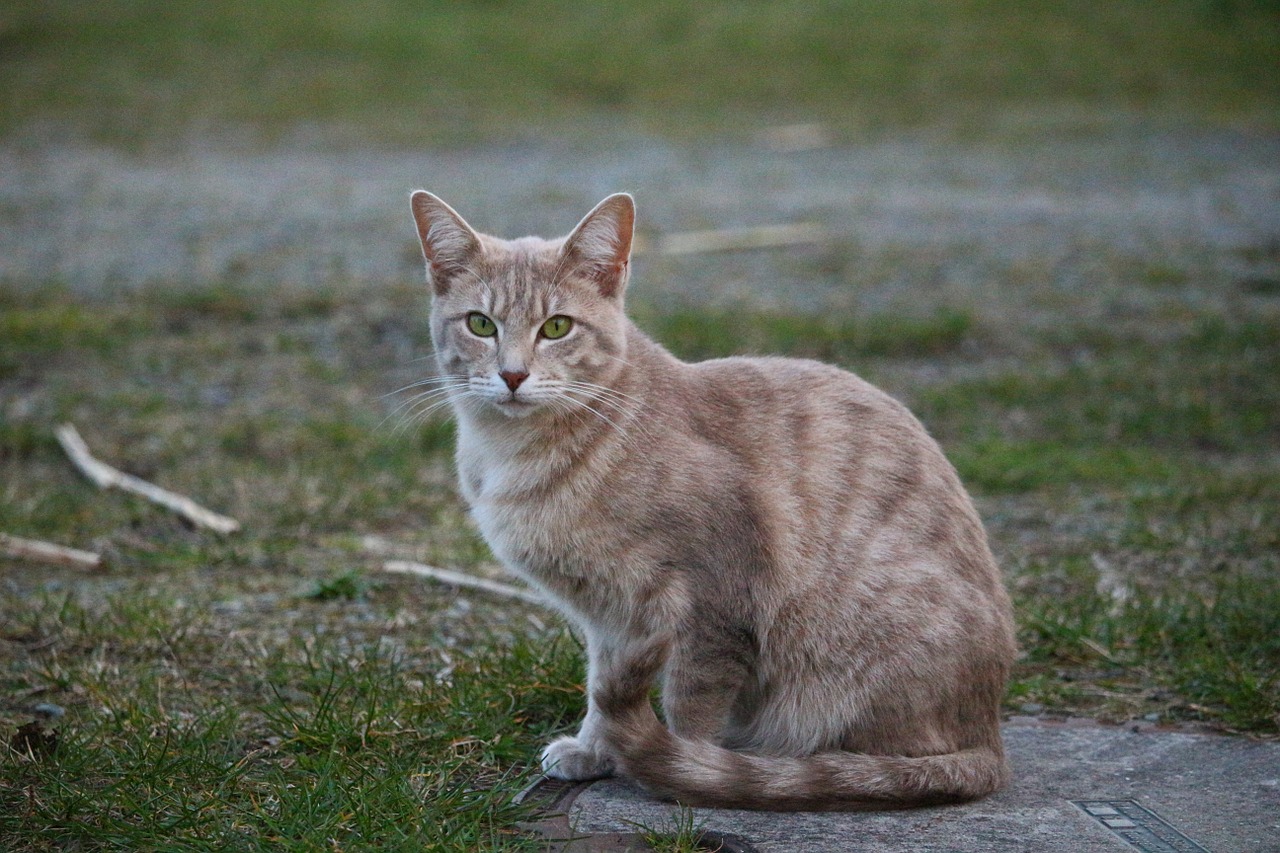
790,138
1100,649
460,579
47,552
731,239
107,477
382,547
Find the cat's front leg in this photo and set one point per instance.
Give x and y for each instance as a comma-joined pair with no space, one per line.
584,756
614,667
579,757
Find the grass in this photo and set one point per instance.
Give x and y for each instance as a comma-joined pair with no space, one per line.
151,72
274,690
683,834
702,333
313,741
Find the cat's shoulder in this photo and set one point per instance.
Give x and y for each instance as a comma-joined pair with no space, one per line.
796,382
780,371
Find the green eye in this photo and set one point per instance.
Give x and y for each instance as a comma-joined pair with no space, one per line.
556,327
481,325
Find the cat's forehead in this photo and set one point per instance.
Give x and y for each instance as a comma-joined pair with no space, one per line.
525,253
525,275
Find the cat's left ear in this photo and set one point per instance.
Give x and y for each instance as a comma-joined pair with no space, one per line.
601,244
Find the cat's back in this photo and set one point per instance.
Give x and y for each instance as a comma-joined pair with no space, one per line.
821,450
774,403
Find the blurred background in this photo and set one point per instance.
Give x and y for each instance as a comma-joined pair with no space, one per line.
1052,228
393,72
150,142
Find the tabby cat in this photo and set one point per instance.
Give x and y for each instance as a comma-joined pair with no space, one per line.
777,542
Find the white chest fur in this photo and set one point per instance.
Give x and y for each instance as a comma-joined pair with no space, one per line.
527,513
545,518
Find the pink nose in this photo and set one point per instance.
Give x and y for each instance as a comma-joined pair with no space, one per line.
513,379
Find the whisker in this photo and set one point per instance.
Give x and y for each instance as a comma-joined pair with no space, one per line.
556,278
617,358
412,419
604,391
483,282
407,410
597,394
560,405
606,403
580,403
428,393
429,380
625,405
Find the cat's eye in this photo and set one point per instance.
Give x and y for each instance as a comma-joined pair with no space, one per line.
481,325
557,327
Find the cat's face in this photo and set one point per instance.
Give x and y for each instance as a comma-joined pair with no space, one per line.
529,325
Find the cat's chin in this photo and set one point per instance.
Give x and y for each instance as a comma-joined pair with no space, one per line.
516,408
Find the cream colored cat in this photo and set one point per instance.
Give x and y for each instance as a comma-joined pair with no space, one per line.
778,542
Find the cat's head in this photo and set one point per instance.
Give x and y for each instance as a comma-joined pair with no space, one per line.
528,325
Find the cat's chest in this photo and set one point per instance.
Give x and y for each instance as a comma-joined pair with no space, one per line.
491,473
529,511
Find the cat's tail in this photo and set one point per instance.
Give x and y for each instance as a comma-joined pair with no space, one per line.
701,773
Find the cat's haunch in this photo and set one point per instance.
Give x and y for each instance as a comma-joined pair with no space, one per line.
776,541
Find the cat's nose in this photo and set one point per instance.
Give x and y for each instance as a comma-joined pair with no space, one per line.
513,379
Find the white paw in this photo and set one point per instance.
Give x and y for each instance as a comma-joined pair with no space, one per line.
568,759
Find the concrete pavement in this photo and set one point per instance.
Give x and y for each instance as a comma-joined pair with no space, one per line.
1078,788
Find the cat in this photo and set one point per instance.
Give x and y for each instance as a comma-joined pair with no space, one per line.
777,542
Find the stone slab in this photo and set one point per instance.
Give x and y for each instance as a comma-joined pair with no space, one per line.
1078,788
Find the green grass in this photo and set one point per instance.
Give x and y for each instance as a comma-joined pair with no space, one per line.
1173,655
682,834
396,71
698,334
32,330
325,741
1117,411
274,689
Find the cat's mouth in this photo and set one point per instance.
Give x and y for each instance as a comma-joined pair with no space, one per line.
513,405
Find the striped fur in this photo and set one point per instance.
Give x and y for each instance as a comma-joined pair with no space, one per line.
777,543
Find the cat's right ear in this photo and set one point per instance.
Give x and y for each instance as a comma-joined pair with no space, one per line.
449,244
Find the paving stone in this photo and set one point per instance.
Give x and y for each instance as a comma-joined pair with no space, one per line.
1077,787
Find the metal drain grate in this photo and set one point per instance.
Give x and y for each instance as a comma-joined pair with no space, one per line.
1140,827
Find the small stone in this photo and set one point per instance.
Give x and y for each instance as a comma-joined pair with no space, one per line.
1031,708
49,711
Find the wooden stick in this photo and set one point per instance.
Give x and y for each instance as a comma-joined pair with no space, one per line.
463,580
796,137
731,239
107,477
382,547
47,552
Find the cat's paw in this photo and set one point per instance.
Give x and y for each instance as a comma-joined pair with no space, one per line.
568,759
